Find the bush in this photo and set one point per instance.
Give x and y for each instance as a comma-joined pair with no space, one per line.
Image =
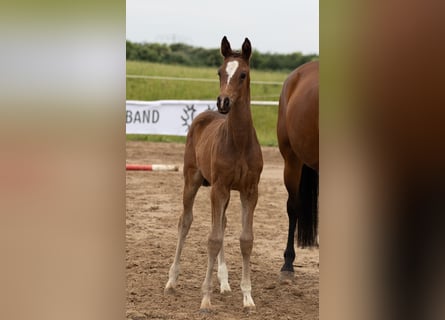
183,54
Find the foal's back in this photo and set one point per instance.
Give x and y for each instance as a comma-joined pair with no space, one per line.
200,138
204,128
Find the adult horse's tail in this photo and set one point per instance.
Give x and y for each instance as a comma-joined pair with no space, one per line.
307,220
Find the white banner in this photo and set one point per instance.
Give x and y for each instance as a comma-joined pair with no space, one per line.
169,117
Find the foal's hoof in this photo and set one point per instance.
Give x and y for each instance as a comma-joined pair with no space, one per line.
248,304
169,290
205,310
206,306
225,289
249,309
287,277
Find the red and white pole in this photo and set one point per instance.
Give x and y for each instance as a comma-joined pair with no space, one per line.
151,167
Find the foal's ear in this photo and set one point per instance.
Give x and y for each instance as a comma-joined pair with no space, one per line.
226,50
246,49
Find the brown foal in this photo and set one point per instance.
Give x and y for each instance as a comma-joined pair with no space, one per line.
222,151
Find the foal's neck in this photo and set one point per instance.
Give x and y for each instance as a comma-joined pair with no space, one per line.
240,123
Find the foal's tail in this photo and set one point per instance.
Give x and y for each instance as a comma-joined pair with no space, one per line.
307,220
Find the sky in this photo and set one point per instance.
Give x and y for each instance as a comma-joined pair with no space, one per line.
275,26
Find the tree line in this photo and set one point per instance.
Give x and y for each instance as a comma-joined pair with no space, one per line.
183,54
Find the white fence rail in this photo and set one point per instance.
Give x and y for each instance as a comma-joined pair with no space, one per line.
168,117
135,76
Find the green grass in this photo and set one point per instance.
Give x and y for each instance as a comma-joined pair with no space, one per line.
264,117
265,122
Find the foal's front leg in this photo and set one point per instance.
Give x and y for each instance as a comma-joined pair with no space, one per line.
219,198
248,203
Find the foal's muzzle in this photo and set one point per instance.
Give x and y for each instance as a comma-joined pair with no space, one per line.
223,104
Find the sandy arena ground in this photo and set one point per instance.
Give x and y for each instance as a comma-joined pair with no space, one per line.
154,203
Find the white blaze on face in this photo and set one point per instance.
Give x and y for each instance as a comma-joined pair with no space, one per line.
231,69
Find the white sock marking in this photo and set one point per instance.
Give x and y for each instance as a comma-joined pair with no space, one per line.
231,69
223,277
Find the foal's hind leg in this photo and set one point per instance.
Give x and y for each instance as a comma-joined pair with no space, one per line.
219,197
223,275
292,176
192,181
248,203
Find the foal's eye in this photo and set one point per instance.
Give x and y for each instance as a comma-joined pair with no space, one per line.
243,75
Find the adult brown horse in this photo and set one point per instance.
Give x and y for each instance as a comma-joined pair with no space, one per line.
222,151
297,131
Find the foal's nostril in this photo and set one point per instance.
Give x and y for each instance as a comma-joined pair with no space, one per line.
226,102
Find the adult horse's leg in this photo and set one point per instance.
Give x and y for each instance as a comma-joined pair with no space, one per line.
192,181
249,200
292,176
219,196
223,275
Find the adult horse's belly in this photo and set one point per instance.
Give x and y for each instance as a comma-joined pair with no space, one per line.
302,126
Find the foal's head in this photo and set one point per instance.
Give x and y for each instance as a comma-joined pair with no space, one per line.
234,78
